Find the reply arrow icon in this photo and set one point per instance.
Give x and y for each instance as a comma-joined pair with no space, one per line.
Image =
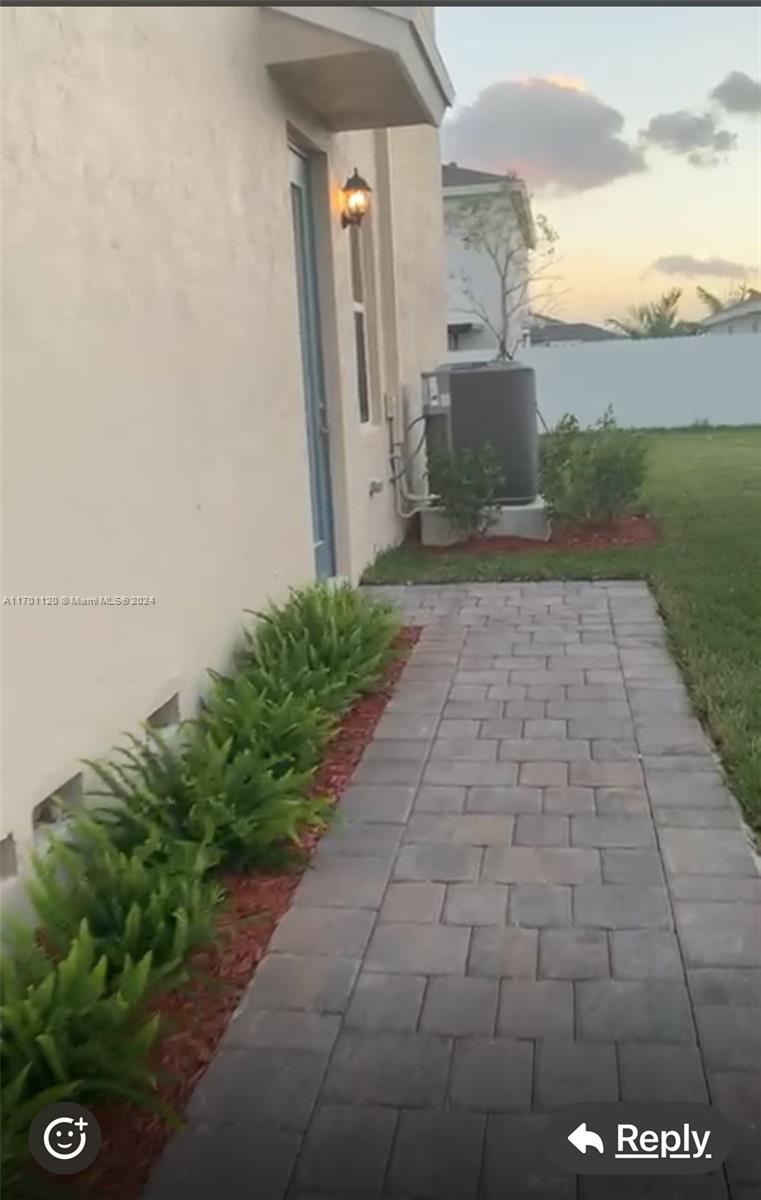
582,1139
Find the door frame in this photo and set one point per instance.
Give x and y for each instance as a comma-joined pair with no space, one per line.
310,294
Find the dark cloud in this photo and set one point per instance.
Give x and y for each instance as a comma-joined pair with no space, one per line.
549,132
694,268
738,93
692,135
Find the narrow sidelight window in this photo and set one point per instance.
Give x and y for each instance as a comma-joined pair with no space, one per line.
360,322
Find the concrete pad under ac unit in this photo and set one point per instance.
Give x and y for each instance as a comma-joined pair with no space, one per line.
523,521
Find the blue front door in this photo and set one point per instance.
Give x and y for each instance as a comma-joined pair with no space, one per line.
318,438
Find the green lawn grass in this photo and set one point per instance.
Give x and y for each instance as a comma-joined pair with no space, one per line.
704,489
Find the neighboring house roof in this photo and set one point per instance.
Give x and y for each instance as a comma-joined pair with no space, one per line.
453,175
536,320
744,308
463,181
552,330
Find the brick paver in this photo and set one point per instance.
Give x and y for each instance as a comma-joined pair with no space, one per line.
540,892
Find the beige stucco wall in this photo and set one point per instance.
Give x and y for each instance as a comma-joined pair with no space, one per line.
153,418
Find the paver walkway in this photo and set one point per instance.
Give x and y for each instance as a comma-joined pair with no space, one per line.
540,892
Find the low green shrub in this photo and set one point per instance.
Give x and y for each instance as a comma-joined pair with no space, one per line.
591,474
65,1026
203,792
467,485
328,642
154,896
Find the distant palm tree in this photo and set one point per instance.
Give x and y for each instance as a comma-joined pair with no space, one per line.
657,319
715,305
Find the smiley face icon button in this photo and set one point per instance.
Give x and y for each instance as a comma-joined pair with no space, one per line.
64,1138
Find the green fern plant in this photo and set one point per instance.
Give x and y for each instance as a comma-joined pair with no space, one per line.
329,641
125,898
288,729
205,793
154,896
21,1181
66,1027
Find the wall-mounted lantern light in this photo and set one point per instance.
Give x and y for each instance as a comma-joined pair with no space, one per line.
356,199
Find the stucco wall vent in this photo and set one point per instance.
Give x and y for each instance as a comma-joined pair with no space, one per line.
166,714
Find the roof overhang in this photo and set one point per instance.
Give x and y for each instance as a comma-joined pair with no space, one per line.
460,322
358,66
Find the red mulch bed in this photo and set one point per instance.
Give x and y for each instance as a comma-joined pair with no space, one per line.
196,1015
636,529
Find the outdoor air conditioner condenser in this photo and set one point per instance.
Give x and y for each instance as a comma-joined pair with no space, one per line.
469,405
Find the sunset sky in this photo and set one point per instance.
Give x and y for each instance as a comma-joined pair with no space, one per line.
608,114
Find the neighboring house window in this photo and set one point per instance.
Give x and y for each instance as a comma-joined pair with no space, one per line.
360,321
453,339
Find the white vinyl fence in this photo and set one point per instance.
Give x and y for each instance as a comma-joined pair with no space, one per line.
658,382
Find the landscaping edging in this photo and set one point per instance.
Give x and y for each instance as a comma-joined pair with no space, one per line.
198,1013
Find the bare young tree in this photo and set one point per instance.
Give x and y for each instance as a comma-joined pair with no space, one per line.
498,227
